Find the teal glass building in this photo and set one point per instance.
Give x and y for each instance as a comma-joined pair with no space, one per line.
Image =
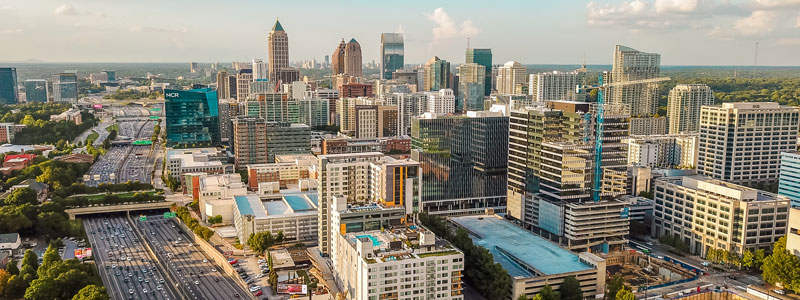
36,90
482,57
392,52
8,86
192,117
789,178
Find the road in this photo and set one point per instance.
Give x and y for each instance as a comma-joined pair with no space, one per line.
123,163
198,276
127,270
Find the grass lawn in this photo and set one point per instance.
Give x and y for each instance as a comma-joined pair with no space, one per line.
93,136
113,127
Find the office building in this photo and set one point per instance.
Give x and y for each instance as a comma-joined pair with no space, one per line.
223,85
287,75
713,214
648,125
742,142
274,107
392,54
554,85
683,108
436,75
536,262
193,160
352,59
337,59
243,79
789,179
663,151
471,87
629,65
375,121
65,87
9,93
278,51
192,117
287,138
193,67
36,90
341,144
294,214
260,69
249,141
314,112
511,77
345,109
441,102
228,110
482,57
464,162
214,193
408,105
353,90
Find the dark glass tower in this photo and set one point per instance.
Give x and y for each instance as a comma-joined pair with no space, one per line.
482,57
36,90
192,117
392,51
8,86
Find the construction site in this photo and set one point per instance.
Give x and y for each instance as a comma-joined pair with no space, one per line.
639,270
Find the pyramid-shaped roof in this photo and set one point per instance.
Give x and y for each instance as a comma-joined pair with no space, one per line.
277,26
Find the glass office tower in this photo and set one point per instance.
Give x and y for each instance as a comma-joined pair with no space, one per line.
65,87
8,86
392,49
192,117
482,57
36,90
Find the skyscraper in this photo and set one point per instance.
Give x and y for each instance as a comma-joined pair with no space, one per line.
554,85
228,109
278,50
192,117
352,57
741,142
337,59
65,87
36,90
631,64
260,69
472,83
223,85
464,162
683,108
249,141
510,77
392,54
243,79
193,67
482,57
436,75
8,86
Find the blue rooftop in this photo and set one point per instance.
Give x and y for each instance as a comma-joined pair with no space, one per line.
276,208
313,198
505,240
243,204
298,202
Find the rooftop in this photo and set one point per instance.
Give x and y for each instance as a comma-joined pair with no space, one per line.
735,191
508,243
7,238
285,205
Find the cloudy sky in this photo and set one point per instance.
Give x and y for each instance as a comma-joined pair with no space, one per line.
685,32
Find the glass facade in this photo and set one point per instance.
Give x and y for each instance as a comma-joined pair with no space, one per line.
65,87
286,138
8,86
192,117
36,90
392,51
482,57
464,161
789,181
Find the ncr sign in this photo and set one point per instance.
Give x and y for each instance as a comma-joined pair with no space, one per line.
172,95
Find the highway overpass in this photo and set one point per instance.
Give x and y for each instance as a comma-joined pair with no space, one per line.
73,212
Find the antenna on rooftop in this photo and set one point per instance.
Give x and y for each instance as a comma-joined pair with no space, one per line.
755,61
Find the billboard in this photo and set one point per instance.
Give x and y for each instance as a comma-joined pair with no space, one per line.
293,289
97,106
81,253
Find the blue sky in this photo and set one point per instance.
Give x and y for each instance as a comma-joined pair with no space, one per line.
685,32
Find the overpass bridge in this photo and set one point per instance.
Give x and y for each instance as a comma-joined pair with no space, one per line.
127,208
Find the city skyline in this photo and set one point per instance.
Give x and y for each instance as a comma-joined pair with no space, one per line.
710,32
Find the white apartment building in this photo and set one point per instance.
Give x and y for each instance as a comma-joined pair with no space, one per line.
293,214
648,125
683,106
441,102
510,77
260,69
206,160
243,80
663,151
554,85
742,142
709,213
408,105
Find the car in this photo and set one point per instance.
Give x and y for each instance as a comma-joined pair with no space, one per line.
649,243
254,288
140,279
731,277
196,282
780,292
261,261
259,276
107,267
236,295
216,279
159,288
259,293
264,271
130,291
205,260
144,290
233,262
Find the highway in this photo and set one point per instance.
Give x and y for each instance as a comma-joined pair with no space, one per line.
125,162
127,269
198,276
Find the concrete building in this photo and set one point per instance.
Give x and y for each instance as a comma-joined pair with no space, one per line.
206,160
510,77
554,85
531,261
278,51
8,131
344,144
789,179
663,151
354,90
631,64
648,125
352,59
471,80
10,241
243,79
228,110
793,235
215,193
392,54
741,142
441,102
294,214
70,115
249,141
709,213
260,69
683,108
223,85
314,112
408,105
287,138
375,121
284,173
436,75
346,108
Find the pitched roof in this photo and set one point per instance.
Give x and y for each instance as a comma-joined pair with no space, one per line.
277,26
7,238
24,156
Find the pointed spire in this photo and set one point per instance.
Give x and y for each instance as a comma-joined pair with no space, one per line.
277,26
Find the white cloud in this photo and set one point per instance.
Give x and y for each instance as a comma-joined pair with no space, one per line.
15,30
797,22
66,10
788,42
777,3
446,28
142,28
758,23
676,5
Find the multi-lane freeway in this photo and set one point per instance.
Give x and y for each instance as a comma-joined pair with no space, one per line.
125,163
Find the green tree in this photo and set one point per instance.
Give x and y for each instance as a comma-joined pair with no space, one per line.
12,268
522,297
781,267
758,259
570,289
625,294
615,285
748,259
51,224
711,255
4,277
21,196
31,261
260,241
49,260
272,276
15,288
91,292
547,293
28,121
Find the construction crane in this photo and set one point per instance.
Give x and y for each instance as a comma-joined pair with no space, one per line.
598,146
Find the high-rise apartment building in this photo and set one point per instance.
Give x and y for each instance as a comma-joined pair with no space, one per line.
789,179
228,110
314,112
713,214
742,142
8,86
408,105
510,77
275,107
554,85
287,138
663,151
375,121
243,79
648,125
482,57
65,87
36,90
278,51
192,117
436,75
471,87
683,108
352,90
249,141
392,54
223,85
464,162
631,64
260,69
193,67
441,102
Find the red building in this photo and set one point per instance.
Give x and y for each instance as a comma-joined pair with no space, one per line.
14,162
353,90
